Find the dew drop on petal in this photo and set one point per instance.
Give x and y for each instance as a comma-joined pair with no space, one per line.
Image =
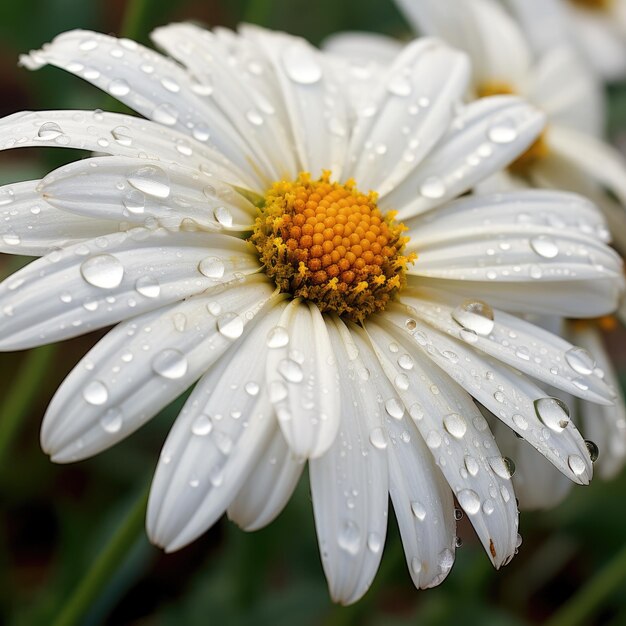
553,413
95,392
165,114
104,271
119,88
469,500
49,131
112,421
151,180
252,388
378,438
202,425
576,464
455,424
290,371
593,450
134,202
503,131
122,135
223,216
148,286
433,188
301,65
277,337
212,267
374,543
476,316
446,560
170,363
418,510
394,408
398,85
230,325
580,361
349,538
502,466
544,246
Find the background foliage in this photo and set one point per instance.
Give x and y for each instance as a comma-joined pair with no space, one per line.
56,520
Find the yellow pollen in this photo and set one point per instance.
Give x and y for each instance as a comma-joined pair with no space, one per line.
539,150
329,243
593,5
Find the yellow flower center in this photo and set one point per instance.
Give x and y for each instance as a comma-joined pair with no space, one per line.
593,5
538,150
329,243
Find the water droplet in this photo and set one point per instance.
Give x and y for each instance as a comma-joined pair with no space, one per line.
398,85
446,560
252,388
475,316
122,135
95,392
504,131
406,362
134,201
418,510
471,465
290,371
374,543
119,88
458,514
104,271
212,267
277,391
469,500
433,188
378,438
49,131
502,466
394,408
553,413
520,421
151,180
544,246
576,464
223,442
433,439
349,538
202,425
230,325
112,421
165,114
170,363
301,65
416,565
580,361
254,117
277,337
223,216
594,452
148,286
455,424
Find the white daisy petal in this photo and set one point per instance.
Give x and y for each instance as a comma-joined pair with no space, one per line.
518,343
487,135
422,499
407,115
363,47
605,426
214,443
591,157
142,365
349,482
238,76
303,380
480,27
315,101
138,189
511,397
458,437
108,279
114,134
147,82
30,226
268,487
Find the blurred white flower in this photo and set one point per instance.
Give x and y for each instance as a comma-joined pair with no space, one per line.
197,230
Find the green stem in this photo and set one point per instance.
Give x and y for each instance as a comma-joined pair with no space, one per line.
21,395
579,608
105,566
257,12
134,24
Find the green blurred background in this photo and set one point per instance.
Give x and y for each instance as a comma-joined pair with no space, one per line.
56,520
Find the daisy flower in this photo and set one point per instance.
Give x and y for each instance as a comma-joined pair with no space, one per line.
283,230
596,27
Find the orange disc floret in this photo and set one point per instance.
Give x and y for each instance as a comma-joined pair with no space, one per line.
329,243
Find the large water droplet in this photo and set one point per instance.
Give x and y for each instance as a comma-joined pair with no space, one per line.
223,216
95,392
290,371
476,316
170,363
277,337
544,246
349,538
502,466
202,425
122,135
593,450
398,85
433,188
49,131
165,114
418,510
230,325
576,464
212,267
112,421
553,413
503,131
134,201
151,180
446,560
455,424
469,500
104,271
580,361
119,88
148,286
378,438
395,408
301,65
374,543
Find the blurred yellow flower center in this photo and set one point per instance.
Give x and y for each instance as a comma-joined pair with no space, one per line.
538,150
593,5
329,243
